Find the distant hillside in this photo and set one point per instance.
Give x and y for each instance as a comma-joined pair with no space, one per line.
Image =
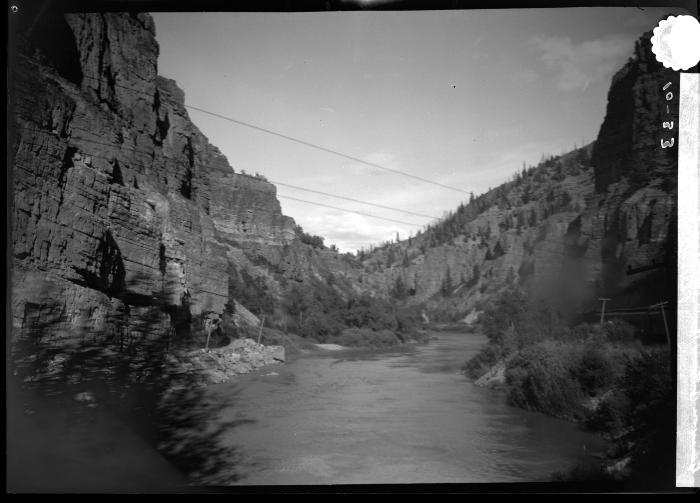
566,230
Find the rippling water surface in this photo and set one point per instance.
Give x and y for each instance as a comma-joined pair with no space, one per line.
405,416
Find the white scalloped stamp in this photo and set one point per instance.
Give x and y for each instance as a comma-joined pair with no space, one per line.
676,42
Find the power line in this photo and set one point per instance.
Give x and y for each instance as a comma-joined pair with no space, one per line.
301,142
349,211
353,200
119,148
552,253
324,149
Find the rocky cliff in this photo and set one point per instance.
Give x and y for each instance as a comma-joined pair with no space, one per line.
127,224
568,230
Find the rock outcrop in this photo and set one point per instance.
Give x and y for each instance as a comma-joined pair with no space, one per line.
629,142
127,224
215,366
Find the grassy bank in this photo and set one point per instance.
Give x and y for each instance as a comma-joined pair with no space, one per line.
602,377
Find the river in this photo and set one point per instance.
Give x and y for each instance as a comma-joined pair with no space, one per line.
400,416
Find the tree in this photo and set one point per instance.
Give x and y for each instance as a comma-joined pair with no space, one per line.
298,302
390,257
550,195
250,291
475,277
447,285
313,241
582,156
533,218
399,291
565,199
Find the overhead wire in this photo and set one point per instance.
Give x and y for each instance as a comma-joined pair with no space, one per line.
302,142
349,211
545,251
328,150
354,200
319,147
118,148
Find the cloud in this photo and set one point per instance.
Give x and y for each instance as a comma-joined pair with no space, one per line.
577,66
330,110
349,231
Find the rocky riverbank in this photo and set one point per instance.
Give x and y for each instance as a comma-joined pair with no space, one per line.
217,365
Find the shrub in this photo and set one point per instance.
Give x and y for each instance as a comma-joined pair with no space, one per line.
480,363
407,320
648,383
619,331
541,378
596,368
507,309
611,414
309,239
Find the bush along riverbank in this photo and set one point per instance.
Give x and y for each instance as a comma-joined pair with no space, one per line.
600,376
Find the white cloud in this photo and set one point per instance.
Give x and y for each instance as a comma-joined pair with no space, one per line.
349,231
577,66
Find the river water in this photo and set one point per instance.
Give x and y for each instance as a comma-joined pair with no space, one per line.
401,416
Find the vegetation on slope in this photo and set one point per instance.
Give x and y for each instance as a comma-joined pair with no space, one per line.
601,376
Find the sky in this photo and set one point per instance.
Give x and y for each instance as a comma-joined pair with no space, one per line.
462,98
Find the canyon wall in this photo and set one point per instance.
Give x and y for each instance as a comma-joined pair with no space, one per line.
571,229
126,221
127,224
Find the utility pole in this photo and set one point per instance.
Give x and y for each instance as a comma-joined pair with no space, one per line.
661,305
207,325
602,312
262,322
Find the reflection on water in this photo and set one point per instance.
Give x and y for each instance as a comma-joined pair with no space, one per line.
404,416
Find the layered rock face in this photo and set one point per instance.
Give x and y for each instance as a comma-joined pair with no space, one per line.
570,229
128,225
125,220
629,142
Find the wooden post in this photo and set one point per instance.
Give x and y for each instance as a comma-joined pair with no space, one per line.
663,315
207,324
602,312
262,322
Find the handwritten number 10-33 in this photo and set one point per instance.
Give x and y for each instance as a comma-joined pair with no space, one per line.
667,124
